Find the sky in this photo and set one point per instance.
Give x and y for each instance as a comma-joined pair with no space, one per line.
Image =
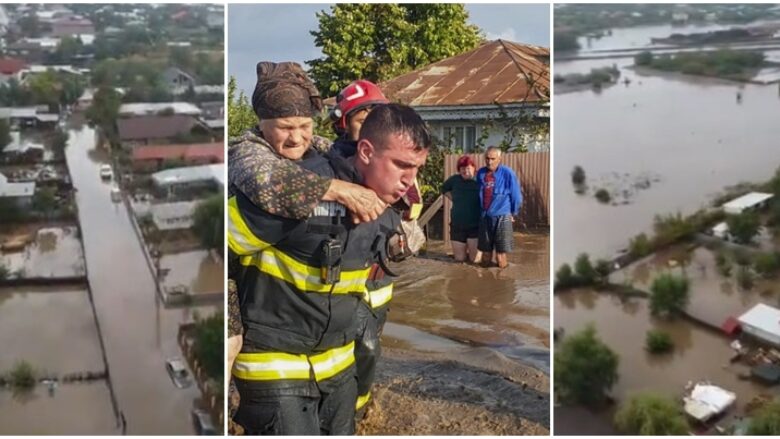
280,32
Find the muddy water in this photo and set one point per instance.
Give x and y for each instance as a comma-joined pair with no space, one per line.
56,252
714,298
139,333
699,354
507,310
75,409
197,270
662,125
24,336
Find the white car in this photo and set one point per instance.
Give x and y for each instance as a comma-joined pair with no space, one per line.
178,372
105,172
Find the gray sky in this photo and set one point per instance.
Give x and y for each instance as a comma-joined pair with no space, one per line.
280,32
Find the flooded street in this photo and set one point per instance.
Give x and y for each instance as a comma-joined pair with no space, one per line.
138,332
507,310
659,126
699,354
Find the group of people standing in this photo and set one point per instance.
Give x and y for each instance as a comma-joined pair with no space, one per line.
484,206
311,226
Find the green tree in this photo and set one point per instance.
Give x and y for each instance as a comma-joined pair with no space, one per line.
241,116
585,368
565,41
59,142
5,134
67,49
670,295
585,271
644,58
564,277
209,345
657,341
380,41
45,201
209,222
578,176
766,421
603,268
766,264
44,89
22,376
743,227
640,246
651,415
104,111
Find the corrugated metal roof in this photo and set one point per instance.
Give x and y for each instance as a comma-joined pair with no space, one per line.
214,150
763,317
496,72
190,174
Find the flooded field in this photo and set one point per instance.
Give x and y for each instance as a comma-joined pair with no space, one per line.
699,354
52,252
197,270
75,409
714,298
43,344
26,336
656,125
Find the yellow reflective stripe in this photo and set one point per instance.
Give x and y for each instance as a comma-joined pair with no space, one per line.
381,296
304,277
330,363
241,240
271,366
362,400
267,366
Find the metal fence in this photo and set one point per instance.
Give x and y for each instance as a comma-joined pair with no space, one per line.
533,172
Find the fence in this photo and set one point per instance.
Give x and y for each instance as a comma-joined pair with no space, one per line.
533,172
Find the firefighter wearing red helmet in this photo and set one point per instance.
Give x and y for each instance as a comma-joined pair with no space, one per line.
353,104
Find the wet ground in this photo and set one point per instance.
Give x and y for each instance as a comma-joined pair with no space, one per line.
53,252
655,126
196,269
139,333
622,323
465,350
25,335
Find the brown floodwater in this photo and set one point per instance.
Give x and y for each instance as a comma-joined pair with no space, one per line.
55,252
196,269
713,297
74,409
33,323
622,323
507,310
139,333
687,136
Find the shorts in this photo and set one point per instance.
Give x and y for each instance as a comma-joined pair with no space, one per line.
461,234
495,233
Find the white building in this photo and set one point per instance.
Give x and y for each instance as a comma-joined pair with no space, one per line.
203,175
173,216
751,201
152,108
763,322
20,193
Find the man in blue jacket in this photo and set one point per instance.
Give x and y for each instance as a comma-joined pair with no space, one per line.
500,198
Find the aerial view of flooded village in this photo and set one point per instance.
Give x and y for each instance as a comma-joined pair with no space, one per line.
111,219
667,216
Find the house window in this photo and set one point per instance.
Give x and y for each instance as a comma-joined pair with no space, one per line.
462,137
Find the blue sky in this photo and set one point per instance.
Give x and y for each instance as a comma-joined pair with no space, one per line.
280,32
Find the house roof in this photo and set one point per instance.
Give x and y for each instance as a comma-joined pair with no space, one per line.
11,66
154,127
190,174
496,72
763,317
746,201
146,108
192,151
14,189
172,216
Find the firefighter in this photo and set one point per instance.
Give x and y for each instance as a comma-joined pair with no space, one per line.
302,280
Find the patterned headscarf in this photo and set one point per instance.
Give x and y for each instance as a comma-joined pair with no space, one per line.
284,90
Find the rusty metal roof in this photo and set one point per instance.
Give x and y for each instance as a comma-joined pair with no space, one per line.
496,72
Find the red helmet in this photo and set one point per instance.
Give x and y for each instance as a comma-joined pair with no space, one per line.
356,96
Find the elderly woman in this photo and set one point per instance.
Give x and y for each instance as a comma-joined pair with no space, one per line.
463,189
